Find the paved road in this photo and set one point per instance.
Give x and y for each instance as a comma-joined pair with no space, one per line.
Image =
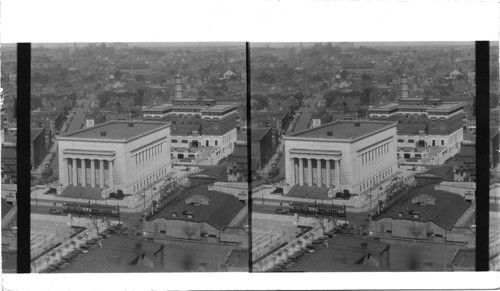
79,116
355,218
75,124
127,218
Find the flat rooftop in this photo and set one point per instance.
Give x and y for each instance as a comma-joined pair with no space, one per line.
219,212
345,129
219,108
118,130
158,107
445,212
446,106
386,106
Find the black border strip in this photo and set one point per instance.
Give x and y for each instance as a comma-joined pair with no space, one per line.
23,156
249,156
482,154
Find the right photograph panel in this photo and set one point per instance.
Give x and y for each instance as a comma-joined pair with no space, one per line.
364,156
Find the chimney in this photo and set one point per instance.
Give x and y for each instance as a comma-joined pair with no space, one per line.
364,248
138,248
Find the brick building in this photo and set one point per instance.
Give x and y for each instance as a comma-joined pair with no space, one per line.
423,123
38,147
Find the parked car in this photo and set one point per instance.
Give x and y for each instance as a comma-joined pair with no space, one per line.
55,211
281,211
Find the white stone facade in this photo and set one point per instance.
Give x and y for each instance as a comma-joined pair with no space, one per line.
129,164
355,164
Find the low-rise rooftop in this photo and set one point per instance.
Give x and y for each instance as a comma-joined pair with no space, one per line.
345,129
445,212
117,130
345,254
219,212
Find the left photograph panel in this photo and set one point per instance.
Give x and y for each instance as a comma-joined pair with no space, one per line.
135,159
8,63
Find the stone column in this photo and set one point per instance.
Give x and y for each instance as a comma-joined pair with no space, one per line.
68,171
101,173
110,173
296,172
328,174
309,172
92,173
75,179
337,173
84,174
318,167
301,171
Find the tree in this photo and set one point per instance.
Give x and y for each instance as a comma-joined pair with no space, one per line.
365,98
139,97
366,77
344,74
261,101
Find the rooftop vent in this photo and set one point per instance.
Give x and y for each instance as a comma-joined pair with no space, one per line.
357,124
131,125
103,133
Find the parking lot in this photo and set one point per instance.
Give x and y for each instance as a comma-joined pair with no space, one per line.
47,233
271,230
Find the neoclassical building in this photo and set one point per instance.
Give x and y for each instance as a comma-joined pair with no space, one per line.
353,155
115,155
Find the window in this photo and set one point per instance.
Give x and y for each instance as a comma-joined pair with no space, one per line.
184,141
442,142
411,141
401,140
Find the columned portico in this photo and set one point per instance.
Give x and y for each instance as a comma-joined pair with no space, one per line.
299,173
78,167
